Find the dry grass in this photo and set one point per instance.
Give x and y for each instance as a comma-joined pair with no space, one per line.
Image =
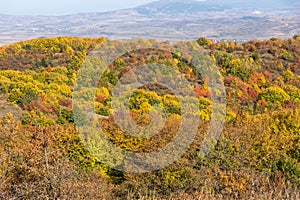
6,107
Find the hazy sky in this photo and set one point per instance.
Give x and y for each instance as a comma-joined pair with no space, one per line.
61,7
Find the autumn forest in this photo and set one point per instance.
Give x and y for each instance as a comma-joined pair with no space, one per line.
42,155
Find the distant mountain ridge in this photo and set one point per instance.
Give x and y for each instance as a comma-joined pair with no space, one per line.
192,6
179,6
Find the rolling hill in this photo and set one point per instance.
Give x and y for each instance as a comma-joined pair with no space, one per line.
45,156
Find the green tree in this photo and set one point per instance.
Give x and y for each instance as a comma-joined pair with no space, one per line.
203,41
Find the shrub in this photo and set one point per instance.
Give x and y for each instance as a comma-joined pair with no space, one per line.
274,95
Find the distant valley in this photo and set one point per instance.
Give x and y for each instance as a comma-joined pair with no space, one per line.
172,20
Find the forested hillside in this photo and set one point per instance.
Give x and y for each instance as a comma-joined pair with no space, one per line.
257,156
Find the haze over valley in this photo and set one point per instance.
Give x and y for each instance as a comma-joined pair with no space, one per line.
172,20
